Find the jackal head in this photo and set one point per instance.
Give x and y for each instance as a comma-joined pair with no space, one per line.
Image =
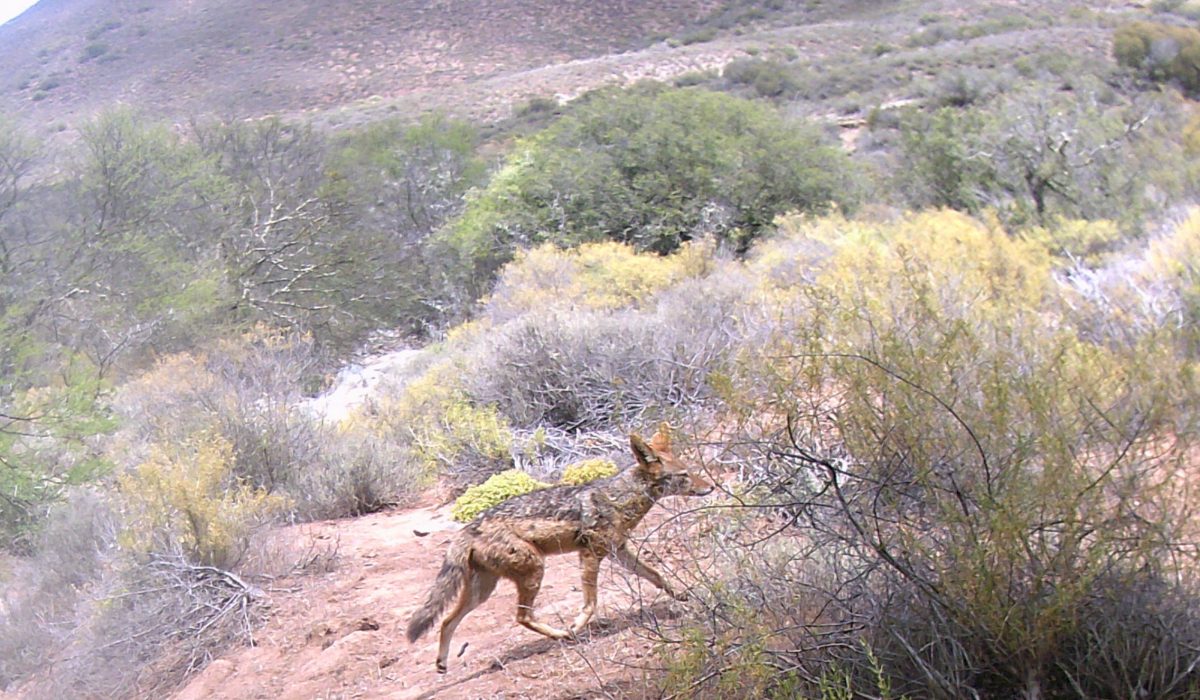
659,466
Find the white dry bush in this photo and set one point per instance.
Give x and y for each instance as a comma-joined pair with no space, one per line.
354,474
590,370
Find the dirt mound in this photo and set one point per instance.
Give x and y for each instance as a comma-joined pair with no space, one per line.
341,634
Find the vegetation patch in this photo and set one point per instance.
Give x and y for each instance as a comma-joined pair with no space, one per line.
587,471
497,489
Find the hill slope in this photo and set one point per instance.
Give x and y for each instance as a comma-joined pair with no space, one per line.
243,58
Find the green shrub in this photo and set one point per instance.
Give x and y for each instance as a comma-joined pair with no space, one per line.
698,36
941,166
588,470
653,167
95,49
1037,157
1161,52
496,490
50,440
535,106
768,78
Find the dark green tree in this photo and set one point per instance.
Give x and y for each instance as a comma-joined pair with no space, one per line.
652,167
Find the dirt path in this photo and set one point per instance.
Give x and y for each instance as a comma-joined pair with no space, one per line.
340,635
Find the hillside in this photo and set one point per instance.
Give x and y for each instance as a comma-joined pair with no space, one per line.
64,59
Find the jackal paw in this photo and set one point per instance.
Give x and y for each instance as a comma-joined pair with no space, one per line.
441,666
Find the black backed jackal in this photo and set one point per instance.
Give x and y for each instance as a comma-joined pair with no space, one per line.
511,540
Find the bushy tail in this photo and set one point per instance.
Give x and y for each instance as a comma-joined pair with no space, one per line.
449,582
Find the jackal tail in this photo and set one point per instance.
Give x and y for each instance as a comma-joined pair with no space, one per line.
446,587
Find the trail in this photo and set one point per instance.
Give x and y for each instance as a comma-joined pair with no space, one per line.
340,634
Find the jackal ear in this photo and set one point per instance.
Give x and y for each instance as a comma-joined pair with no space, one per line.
647,458
662,438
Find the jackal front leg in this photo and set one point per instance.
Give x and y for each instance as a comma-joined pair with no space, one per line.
589,562
626,558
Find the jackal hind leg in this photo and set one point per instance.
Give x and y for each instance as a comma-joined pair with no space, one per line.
589,562
626,558
529,582
475,591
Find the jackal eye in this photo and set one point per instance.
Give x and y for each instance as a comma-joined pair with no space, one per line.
673,479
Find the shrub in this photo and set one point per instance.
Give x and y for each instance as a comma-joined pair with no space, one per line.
1147,294
187,499
587,471
1086,241
48,444
42,596
1037,156
768,78
536,106
497,489
698,36
965,87
941,165
443,429
593,371
355,473
649,167
247,390
94,49
1161,52
594,276
631,357
943,436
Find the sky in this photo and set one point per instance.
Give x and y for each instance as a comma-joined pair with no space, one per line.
12,8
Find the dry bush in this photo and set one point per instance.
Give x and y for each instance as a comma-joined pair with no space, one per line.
85,617
151,625
969,499
263,375
358,473
248,393
1150,291
586,371
103,615
42,595
245,389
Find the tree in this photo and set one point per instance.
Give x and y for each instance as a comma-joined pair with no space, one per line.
288,254
408,180
939,164
411,178
1035,156
652,167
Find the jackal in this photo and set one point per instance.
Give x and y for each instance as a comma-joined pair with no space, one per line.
512,539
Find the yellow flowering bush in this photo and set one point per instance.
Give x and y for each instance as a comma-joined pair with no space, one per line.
187,498
588,470
496,490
